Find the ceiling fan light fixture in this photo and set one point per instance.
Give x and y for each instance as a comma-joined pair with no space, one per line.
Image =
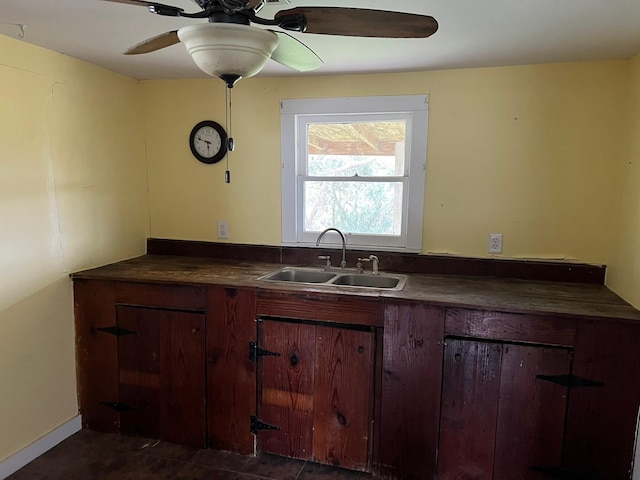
228,50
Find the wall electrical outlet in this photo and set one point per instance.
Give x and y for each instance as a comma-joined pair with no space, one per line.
495,243
223,230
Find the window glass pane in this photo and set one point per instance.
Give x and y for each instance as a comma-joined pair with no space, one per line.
373,208
373,148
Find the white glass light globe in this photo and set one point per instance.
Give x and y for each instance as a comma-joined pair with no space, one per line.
228,49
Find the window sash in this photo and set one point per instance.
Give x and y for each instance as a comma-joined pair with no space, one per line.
303,121
379,240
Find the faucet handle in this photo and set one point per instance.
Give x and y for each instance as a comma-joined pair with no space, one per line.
327,258
359,264
370,258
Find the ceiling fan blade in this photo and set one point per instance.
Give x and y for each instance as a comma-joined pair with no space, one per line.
294,54
360,22
154,7
140,3
155,43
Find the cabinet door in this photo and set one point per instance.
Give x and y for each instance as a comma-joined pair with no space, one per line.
231,326
342,410
96,354
603,412
411,379
531,411
470,392
162,374
285,395
499,420
318,392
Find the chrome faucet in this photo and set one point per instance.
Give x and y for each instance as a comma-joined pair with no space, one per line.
343,264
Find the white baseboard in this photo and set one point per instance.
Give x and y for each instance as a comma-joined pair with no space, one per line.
18,460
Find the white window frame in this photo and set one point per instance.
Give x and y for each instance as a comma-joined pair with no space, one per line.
296,113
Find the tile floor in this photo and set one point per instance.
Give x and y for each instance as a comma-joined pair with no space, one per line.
91,456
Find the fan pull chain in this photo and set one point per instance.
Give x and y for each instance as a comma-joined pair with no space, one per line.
227,173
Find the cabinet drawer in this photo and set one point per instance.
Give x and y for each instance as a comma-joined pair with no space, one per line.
180,297
510,327
323,308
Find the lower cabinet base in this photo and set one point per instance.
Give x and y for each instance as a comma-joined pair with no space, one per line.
403,389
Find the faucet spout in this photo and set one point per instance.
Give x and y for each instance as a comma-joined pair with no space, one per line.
343,264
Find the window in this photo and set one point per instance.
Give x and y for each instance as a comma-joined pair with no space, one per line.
357,164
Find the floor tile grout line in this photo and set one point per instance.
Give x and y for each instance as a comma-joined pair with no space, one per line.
301,470
212,467
257,477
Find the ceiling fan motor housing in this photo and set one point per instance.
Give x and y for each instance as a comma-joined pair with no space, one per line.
228,49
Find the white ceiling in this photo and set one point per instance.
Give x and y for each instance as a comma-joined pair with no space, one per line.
472,33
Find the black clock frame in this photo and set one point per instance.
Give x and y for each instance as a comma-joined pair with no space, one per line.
223,145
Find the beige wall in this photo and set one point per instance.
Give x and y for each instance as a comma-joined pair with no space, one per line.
72,195
624,269
526,151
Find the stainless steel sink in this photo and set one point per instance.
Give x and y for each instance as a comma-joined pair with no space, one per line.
299,275
363,280
336,278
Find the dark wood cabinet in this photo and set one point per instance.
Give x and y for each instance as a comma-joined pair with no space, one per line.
141,359
411,380
161,371
315,387
96,354
602,412
231,375
400,388
501,416
588,435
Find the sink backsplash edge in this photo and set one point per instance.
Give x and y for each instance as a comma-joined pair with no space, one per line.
523,269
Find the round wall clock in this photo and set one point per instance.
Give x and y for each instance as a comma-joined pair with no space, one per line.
208,141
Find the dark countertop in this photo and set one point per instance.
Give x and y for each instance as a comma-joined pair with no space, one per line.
486,293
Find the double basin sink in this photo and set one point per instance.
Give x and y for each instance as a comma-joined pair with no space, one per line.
336,278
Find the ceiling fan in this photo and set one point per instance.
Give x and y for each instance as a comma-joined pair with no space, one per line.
230,48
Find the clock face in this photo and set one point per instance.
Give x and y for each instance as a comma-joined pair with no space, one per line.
208,142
